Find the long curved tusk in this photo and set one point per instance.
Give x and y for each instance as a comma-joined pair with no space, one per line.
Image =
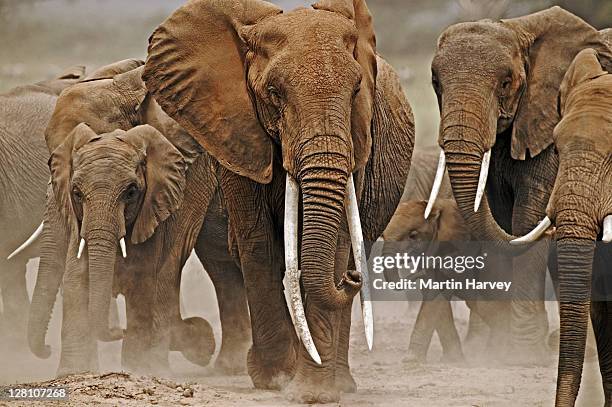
482,180
123,248
607,229
81,247
292,196
534,234
435,189
354,224
28,242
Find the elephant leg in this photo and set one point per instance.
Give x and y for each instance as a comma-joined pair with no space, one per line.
601,317
79,350
15,301
271,359
213,251
478,330
423,329
447,333
496,318
136,344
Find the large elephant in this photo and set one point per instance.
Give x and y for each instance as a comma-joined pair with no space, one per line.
153,234
291,102
497,85
581,208
24,114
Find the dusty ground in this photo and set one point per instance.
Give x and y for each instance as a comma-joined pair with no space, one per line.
384,378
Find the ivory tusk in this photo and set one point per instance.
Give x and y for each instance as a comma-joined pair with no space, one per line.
354,224
123,248
81,247
435,189
607,229
292,194
482,180
534,234
28,242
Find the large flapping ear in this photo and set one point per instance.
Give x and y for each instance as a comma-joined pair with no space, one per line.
195,71
585,67
365,54
60,163
152,114
391,151
116,68
165,179
551,39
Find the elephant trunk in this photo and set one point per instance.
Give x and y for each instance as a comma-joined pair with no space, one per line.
323,181
49,278
102,250
466,140
575,258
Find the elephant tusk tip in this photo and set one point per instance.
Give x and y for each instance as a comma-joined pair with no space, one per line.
81,247
123,247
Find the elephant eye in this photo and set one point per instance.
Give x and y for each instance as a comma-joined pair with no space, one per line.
274,95
357,89
131,192
506,83
77,194
413,234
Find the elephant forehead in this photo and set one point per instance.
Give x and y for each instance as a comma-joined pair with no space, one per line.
110,151
308,28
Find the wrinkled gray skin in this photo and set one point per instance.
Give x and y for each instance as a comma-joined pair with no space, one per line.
107,103
24,114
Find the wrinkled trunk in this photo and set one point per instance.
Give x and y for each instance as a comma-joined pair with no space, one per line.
323,190
102,250
466,137
575,258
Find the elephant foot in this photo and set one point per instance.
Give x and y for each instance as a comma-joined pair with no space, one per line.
453,358
306,390
195,339
416,358
232,360
268,371
345,383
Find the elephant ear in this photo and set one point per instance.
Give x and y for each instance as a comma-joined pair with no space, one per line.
551,39
60,163
391,151
74,72
585,67
165,179
365,54
451,226
109,71
195,71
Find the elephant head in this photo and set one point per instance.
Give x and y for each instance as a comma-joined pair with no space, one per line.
580,205
410,230
116,186
254,85
499,80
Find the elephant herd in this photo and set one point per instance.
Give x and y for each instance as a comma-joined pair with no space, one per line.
277,145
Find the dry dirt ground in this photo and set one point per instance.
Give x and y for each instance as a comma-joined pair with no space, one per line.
383,375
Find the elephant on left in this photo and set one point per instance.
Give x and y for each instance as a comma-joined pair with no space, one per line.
24,114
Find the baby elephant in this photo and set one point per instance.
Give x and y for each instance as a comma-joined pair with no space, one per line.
435,236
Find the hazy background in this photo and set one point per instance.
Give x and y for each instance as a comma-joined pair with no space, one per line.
39,38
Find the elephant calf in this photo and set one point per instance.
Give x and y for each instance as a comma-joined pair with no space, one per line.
436,236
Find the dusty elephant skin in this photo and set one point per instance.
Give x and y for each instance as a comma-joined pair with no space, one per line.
299,97
497,85
24,114
581,208
152,209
